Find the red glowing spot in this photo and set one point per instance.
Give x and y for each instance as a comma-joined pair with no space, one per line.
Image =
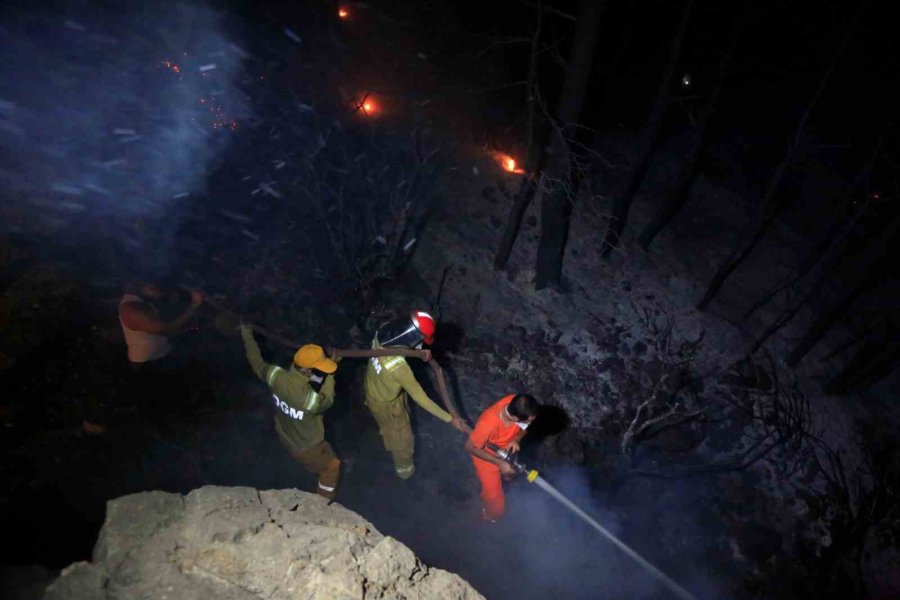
368,105
170,65
343,13
508,163
876,196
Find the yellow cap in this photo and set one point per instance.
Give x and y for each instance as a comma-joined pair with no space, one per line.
532,475
311,356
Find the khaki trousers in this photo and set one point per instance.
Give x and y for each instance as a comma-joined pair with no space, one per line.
320,459
396,432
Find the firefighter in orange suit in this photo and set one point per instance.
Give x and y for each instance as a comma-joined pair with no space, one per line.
503,424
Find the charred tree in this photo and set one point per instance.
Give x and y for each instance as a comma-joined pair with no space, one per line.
693,165
874,361
871,255
559,177
820,326
771,205
648,142
534,155
828,245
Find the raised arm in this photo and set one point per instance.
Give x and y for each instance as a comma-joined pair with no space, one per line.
261,368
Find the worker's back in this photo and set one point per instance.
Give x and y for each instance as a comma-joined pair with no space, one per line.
142,346
298,408
380,383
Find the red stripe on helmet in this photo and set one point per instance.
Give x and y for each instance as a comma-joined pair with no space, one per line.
424,322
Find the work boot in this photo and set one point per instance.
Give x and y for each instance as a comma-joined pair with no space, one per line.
329,493
405,472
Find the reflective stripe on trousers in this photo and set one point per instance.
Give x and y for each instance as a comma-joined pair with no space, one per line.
320,459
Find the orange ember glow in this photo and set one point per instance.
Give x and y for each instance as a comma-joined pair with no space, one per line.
343,13
508,163
368,106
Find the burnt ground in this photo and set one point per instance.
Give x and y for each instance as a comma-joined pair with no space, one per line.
594,353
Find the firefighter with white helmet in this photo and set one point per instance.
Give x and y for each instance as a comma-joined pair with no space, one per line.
390,380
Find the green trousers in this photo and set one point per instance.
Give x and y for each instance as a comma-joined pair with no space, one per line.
396,432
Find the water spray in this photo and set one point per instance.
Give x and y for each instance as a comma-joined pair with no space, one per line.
533,477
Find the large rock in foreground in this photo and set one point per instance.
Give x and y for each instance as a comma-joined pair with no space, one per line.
240,544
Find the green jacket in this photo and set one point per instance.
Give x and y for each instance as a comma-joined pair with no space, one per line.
390,378
298,408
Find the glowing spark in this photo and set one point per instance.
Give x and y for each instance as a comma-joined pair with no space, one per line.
170,65
292,35
343,13
510,164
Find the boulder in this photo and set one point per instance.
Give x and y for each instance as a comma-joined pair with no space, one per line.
237,543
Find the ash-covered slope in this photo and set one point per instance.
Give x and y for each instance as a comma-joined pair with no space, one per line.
239,543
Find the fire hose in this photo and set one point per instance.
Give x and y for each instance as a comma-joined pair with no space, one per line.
531,475
443,389
534,477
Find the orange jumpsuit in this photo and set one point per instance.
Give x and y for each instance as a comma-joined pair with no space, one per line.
491,428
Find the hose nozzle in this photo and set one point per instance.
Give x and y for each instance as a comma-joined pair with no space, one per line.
530,474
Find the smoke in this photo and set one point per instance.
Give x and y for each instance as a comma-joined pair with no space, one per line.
571,560
112,113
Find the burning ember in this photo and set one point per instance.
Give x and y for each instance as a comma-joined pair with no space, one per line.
170,65
368,105
343,13
508,163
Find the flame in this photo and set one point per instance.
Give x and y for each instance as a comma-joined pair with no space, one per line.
343,13
368,105
508,163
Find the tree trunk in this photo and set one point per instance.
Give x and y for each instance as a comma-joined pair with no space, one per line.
694,163
874,361
559,179
534,154
647,145
829,244
769,209
871,255
820,326
613,66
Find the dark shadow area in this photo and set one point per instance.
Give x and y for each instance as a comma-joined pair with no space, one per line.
552,420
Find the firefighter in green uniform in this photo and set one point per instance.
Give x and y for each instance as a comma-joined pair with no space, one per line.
302,393
389,380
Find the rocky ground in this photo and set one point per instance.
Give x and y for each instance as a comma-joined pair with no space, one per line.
242,543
